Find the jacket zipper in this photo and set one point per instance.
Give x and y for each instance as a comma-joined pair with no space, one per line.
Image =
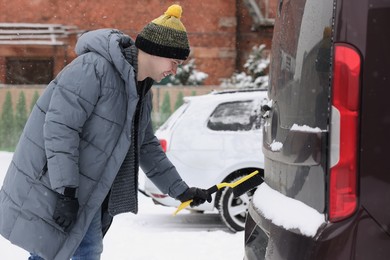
43,172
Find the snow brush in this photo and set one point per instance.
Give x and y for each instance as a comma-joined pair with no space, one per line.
239,187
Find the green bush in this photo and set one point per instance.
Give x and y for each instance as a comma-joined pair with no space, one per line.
187,74
166,110
34,100
179,100
161,115
20,115
256,74
7,127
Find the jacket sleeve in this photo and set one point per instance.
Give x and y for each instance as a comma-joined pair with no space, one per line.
158,168
76,91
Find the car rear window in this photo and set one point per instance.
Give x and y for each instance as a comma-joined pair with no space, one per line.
173,118
235,116
301,64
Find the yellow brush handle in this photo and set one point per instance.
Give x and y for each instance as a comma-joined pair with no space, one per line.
219,186
184,205
237,182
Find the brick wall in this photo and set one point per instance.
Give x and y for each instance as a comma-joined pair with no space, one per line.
219,31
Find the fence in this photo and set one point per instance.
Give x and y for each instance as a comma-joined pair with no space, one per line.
158,93
30,33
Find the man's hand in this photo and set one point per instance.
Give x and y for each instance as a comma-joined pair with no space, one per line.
65,213
198,196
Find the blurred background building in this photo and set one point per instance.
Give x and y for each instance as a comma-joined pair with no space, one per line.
37,37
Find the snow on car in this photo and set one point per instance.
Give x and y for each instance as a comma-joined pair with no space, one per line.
211,139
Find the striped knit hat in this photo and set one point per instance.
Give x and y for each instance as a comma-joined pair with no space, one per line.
165,36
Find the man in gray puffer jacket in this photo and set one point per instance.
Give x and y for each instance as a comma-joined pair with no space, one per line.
76,164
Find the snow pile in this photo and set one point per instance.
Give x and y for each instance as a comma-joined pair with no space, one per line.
286,212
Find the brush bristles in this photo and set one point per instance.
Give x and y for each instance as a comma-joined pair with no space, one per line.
247,185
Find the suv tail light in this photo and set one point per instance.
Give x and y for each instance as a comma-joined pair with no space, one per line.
158,196
163,144
345,115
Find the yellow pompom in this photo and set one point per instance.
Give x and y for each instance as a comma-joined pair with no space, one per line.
174,10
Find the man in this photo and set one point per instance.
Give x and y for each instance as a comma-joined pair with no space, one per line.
76,164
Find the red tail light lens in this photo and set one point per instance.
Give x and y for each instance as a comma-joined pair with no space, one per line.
346,96
159,196
163,144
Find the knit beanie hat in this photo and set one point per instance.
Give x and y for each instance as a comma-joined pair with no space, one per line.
165,36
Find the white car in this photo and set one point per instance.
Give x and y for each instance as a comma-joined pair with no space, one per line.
211,139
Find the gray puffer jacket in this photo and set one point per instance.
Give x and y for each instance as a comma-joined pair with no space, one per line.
77,136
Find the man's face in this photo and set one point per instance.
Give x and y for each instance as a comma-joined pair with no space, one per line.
162,67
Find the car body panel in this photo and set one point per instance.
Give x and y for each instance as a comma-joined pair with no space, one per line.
375,115
299,89
359,237
363,25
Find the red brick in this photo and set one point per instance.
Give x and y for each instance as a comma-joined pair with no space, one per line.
220,35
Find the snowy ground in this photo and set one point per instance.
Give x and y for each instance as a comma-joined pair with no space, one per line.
154,234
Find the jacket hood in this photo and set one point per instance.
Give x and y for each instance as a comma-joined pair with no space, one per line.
110,44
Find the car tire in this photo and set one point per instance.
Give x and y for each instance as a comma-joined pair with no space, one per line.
233,211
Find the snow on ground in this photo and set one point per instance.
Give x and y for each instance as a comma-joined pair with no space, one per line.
154,234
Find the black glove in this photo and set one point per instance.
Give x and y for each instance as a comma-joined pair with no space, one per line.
65,213
198,196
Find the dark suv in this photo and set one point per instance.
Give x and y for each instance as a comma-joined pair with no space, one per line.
326,135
